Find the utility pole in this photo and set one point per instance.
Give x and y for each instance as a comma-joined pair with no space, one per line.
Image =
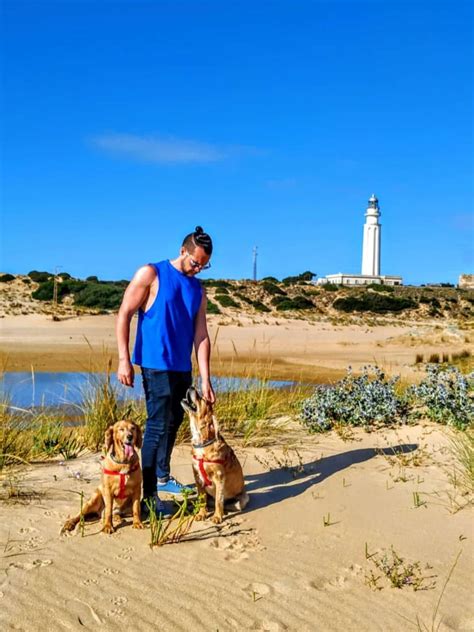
55,293
255,262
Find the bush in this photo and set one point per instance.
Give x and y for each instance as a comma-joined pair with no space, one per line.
271,279
330,287
226,301
212,308
39,277
244,298
260,307
215,283
45,290
93,279
64,275
222,290
285,303
300,278
271,288
97,295
373,302
365,400
445,396
5,278
379,287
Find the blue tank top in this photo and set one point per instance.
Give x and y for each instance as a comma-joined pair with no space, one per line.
165,332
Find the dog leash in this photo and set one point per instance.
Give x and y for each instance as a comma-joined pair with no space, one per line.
123,479
201,460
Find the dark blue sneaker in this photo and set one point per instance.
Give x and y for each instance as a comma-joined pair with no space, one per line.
173,487
158,505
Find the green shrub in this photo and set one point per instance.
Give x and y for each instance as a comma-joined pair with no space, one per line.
271,288
271,279
284,303
226,301
39,277
379,287
243,298
300,278
330,287
92,278
26,280
373,302
212,308
97,295
222,290
215,283
260,307
64,275
5,278
46,289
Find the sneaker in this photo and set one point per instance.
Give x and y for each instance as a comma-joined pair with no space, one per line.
173,487
158,505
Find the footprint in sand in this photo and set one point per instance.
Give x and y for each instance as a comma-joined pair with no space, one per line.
125,554
116,612
119,601
257,590
110,571
28,566
237,548
27,530
89,582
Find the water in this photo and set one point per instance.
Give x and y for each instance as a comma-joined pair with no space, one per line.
26,390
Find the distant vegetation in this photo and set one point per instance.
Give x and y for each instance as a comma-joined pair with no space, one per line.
5,278
371,302
92,294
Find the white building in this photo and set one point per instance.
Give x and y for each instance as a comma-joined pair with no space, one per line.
370,255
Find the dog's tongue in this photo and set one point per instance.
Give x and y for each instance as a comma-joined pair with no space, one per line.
128,449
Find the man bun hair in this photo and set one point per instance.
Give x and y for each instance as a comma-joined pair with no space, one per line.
198,238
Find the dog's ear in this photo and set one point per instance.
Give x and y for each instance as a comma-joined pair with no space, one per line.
109,439
139,441
215,423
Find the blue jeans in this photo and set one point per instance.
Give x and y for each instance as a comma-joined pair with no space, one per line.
164,391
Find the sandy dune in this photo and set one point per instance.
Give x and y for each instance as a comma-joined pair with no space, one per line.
274,567
293,348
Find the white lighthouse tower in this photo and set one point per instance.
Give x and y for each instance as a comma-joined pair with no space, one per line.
371,244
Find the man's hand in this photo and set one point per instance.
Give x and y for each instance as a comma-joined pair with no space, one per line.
125,373
208,391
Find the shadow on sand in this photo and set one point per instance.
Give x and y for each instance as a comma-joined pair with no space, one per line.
274,486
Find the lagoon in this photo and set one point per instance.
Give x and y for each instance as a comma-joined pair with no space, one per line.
27,390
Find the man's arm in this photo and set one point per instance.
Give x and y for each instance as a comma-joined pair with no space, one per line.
135,296
202,346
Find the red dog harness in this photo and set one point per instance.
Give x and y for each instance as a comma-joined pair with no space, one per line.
201,460
123,479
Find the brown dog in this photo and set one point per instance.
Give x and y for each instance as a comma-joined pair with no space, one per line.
217,470
121,478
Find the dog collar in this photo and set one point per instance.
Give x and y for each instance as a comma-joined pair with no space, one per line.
119,462
123,479
205,444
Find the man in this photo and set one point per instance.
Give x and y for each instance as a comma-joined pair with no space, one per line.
171,305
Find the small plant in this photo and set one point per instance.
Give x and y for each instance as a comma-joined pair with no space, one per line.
6,278
225,301
434,358
462,448
400,574
178,526
290,460
417,502
212,308
445,396
366,400
419,358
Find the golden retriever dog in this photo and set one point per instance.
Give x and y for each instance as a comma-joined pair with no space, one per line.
217,470
121,478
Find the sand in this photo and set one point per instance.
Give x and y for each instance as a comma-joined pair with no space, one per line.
274,567
318,351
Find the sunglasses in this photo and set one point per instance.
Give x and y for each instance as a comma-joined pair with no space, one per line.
196,264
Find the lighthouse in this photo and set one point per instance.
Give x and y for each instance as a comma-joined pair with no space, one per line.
370,255
371,243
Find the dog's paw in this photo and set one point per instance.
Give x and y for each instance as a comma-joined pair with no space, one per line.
216,519
108,528
201,515
68,526
138,525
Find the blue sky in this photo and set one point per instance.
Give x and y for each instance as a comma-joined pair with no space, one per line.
126,123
